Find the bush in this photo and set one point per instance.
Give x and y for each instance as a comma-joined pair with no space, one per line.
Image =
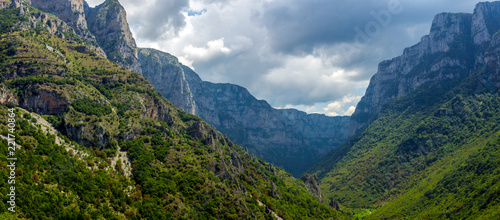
91,107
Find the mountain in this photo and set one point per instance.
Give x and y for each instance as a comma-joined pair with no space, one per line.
288,138
108,22
94,140
427,130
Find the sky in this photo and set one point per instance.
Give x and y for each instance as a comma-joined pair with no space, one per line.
313,55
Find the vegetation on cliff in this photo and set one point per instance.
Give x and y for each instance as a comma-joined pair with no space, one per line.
180,166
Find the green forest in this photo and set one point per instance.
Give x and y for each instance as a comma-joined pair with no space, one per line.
181,167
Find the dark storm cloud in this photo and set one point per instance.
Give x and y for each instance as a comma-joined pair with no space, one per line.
299,26
289,52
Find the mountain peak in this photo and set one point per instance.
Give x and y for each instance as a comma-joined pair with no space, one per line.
450,45
108,22
484,21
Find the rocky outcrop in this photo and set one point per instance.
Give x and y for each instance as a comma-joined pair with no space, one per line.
13,4
108,23
6,95
71,12
312,185
441,59
485,22
334,204
44,102
273,191
287,138
162,67
55,19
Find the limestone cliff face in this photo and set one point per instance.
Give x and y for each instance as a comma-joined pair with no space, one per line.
312,185
6,95
108,22
104,27
70,11
287,138
45,102
158,66
441,59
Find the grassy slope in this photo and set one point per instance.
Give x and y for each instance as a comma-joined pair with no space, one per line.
181,167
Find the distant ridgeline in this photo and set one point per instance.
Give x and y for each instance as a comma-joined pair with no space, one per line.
427,132
96,141
287,138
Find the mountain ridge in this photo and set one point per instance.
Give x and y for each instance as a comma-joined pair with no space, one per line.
277,135
182,168
426,119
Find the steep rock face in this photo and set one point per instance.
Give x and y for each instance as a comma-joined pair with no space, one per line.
318,129
453,50
442,57
446,109
66,20
6,95
108,22
312,185
70,11
288,138
484,22
162,67
45,102
10,3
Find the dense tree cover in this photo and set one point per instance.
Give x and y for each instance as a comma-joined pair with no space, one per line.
181,168
91,107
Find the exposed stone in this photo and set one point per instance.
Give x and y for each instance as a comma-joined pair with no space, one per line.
70,11
431,61
334,204
164,68
288,138
312,185
273,191
485,21
44,102
6,95
108,22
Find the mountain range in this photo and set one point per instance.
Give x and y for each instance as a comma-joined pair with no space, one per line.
278,136
106,130
426,133
288,138
95,140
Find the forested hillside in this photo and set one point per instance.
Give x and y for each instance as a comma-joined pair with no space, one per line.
431,149
119,150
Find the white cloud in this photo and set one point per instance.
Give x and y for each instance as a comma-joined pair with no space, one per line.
279,50
343,107
213,48
350,111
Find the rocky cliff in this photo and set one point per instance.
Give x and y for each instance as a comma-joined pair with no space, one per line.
288,138
108,22
104,28
427,127
312,185
451,52
158,66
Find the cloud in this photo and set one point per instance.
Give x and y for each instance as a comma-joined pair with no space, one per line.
343,107
214,48
303,53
